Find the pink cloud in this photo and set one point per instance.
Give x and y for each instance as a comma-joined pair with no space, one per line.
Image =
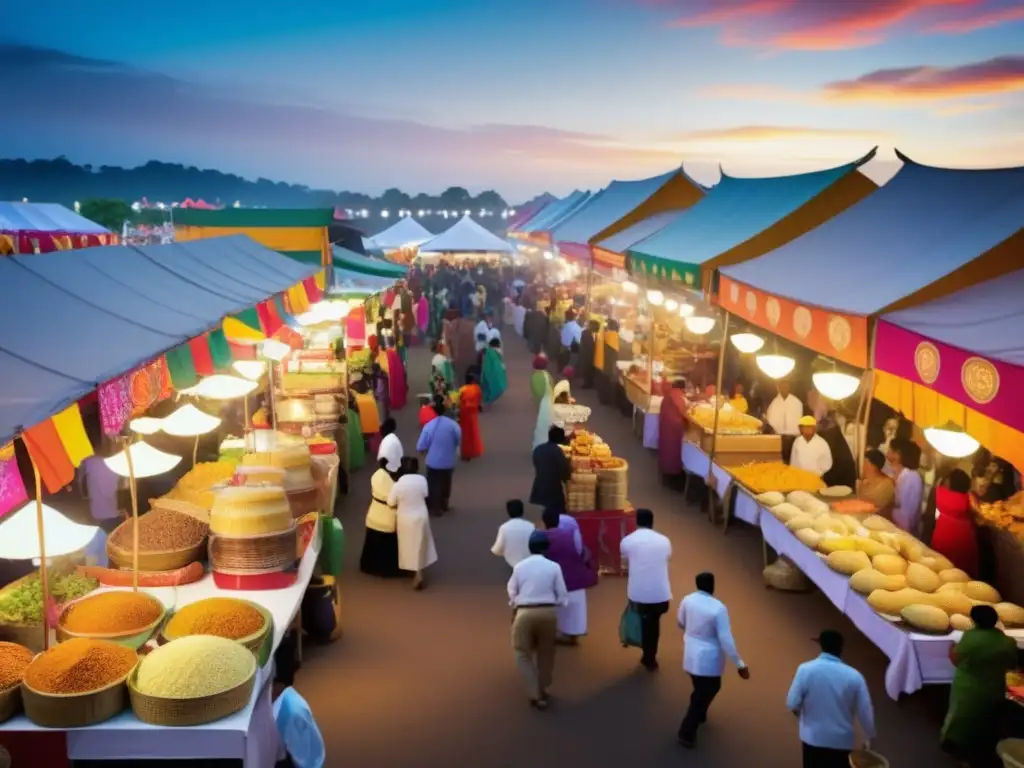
1000,75
981,21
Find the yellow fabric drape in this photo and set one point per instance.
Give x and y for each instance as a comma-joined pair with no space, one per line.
928,408
236,330
298,302
71,432
321,280
275,238
611,338
599,351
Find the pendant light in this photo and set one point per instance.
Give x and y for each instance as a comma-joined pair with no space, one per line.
671,305
699,325
835,385
747,343
951,440
147,461
775,366
19,534
250,369
145,425
686,310
655,297
275,350
189,421
223,387
630,287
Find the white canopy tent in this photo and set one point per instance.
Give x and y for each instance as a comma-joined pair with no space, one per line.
466,236
404,233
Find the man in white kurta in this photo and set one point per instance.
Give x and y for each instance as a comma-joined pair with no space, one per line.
415,541
810,451
785,411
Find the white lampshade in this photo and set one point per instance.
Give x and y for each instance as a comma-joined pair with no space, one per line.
272,349
548,255
630,287
657,298
223,387
747,343
835,385
312,317
951,440
671,305
775,366
189,421
686,310
699,325
250,369
146,425
19,534
147,461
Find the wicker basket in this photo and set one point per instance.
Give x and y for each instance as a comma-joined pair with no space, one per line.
75,710
28,635
10,703
253,642
272,551
189,712
163,560
135,639
1011,752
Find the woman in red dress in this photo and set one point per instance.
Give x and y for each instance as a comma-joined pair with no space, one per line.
955,535
671,426
470,399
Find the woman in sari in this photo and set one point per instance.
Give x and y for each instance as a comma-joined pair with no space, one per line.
982,658
408,496
955,535
494,375
397,386
671,425
470,399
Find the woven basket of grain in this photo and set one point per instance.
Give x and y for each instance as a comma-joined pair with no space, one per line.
187,712
272,551
162,560
75,710
10,703
253,642
134,639
611,500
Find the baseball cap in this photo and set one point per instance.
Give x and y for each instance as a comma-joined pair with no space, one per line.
807,421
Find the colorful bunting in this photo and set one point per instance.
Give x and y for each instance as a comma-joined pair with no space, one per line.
313,293
249,317
181,367
71,432
237,331
281,311
48,454
321,280
12,488
115,404
220,351
201,358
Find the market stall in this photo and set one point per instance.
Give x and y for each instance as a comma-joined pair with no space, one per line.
536,229
47,227
464,241
400,241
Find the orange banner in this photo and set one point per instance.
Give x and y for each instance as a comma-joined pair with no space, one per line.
608,258
840,336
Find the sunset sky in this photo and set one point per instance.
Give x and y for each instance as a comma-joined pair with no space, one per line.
521,96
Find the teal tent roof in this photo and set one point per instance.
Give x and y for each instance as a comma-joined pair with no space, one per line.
357,262
555,212
731,213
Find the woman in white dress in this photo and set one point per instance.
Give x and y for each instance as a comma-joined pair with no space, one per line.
416,549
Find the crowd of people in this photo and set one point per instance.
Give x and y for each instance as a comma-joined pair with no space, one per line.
462,312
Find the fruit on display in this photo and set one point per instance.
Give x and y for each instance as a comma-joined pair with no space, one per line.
786,511
829,524
808,502
776,476
809,537
1011,615
837,491
730,422
892,602
830,544
982,592
952,602
960,622
891,565
872,548
922,578
926,618
197,484
771,498
867,580
953,574
848,562
22,602
878,523
800,522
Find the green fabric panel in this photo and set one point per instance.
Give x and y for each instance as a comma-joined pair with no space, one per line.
306,257
357,263
664,270
181,367
220,350
249,317
356,447
254,217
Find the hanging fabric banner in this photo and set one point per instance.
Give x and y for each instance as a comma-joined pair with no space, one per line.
115,404
47,452
71,432
201,358
281,311
12,488
181,368
312,290
220,351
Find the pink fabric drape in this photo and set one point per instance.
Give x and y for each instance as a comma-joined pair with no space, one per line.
422,314
397,388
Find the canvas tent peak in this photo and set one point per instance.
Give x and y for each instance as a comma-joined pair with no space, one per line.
404,233
864,159
925,234
466,236
744,217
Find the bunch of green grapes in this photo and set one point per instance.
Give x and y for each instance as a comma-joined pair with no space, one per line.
71,586
23,604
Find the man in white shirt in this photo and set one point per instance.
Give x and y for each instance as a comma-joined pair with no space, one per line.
828,696
810,451
572,332
513,542
480,332
785,411
535,591
647,554
707,642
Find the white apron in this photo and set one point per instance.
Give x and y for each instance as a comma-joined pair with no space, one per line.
415,541
572,617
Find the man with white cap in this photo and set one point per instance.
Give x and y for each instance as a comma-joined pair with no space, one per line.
810,450
535,591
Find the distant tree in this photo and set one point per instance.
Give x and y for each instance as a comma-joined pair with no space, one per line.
456,199
491,200
107,212
395,200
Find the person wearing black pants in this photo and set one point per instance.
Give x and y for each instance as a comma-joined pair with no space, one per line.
439,489
647,554
707,642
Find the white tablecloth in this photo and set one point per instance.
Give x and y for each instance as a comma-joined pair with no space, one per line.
249,735
746,507
651,430
696,462
914,659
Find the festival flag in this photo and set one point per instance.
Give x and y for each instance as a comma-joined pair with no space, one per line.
48,454
71,432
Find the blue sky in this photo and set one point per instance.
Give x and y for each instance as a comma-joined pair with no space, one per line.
518,96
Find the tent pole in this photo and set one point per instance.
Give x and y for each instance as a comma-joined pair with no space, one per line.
709,480
42,557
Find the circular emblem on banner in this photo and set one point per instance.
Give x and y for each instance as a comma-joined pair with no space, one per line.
774,312
689,278
802,322
839,333
734,293
751,300
980,380
927,362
